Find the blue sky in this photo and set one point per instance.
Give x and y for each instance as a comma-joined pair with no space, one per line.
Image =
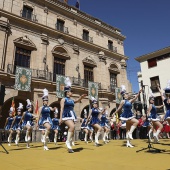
145,23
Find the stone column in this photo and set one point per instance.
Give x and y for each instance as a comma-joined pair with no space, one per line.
4,33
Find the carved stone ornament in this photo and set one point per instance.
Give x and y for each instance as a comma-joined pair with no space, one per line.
102,57
4,25
123,63
75,22
89,61
61,41
44,39
25,42
76,48
46,10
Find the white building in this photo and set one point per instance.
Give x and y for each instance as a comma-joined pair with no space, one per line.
155,68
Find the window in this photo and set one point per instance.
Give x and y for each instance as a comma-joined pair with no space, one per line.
27,12
158,102
59,67
60,25
22,57
88,74
152,62
154,82
113,81
110,45
85,35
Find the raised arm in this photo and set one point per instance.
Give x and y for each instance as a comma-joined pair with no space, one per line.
120,107
158,107
80,98
61,109
162,96
132,100
22,118
13,122
88,116
149,109
6,123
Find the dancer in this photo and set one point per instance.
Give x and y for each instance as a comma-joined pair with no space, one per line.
127,115
67,114
94,115
166,100
16,126
27,122
8,124
85,127
157,126
55,127
44,118
104,125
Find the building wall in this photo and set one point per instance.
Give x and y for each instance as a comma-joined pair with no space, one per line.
44,38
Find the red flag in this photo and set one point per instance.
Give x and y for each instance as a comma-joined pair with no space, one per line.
36,108
13,105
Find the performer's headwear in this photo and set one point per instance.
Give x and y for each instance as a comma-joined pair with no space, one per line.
56,111
67,84
11,110
123,90
94,101
28,104
85,112
151,96
45,95
167,88
20,107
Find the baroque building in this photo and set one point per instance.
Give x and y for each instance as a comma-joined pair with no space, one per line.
51,37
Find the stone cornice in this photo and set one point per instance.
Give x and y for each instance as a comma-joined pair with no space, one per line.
4,26
47,29
87,17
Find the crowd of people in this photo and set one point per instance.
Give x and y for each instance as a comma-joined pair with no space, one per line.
126,126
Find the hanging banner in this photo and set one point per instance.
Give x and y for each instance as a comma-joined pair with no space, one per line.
60,83
23,79
118,95
93,90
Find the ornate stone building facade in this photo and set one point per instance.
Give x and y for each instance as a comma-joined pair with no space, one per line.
51,37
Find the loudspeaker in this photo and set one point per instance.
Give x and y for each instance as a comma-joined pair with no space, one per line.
2,94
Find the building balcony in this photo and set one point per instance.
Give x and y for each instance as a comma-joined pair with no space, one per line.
49,76
112,48
62,28
87,38
28,16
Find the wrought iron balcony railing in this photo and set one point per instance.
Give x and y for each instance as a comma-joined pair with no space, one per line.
28,15
112,48
62,28
87,38
49,76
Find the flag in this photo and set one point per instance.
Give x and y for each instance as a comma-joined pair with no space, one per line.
13,105
36,107
77,4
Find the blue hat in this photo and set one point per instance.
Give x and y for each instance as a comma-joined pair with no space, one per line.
45,95
68,88
123,90
20,107
167,89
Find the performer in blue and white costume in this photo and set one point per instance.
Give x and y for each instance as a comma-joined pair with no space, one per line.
95,122
157,126
127,115
104,125
44,117
67,114
84,126
8,124
56,126
27,122
166,100
16,126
